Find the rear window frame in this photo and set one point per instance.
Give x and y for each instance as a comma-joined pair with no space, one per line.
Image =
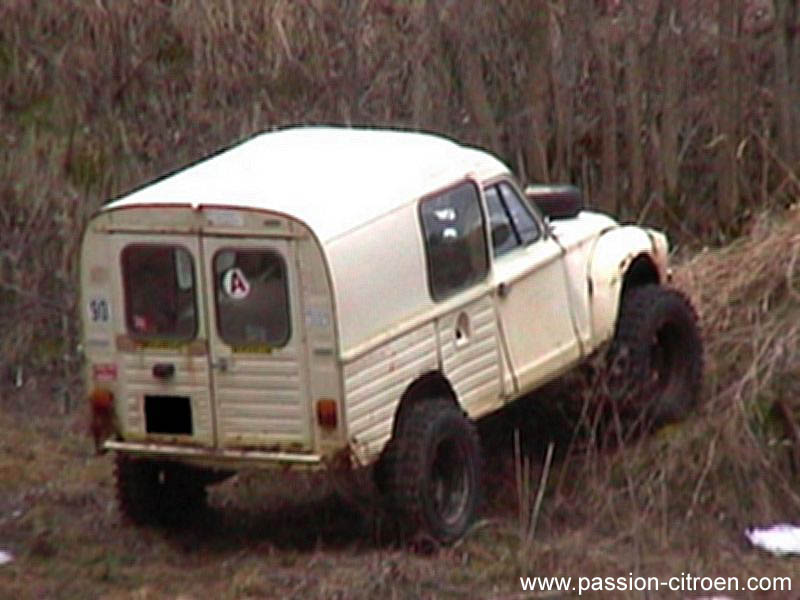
242,345
127,292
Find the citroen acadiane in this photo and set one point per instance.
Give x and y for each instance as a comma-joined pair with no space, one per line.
333,297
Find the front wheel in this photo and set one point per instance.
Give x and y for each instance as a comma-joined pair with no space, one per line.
433,469
656,357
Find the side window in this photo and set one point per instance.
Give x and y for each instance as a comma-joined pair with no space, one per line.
159,292
452,223
526,226
504,238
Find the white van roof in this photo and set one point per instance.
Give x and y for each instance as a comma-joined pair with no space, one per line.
334,179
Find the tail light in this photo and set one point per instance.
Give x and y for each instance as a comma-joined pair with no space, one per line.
101,401
326,413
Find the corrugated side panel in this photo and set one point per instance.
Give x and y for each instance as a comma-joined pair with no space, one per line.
473,367
191,379
375,382
261,401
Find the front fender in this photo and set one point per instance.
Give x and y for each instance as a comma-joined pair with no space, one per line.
612,255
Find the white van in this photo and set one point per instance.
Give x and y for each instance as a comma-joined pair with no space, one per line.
328,296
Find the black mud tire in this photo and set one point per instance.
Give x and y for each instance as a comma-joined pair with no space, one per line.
431,472
656,358
151,492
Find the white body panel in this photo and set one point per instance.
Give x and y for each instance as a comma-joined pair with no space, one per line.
610,258
376,281
577,237
471,354
536,312
375,382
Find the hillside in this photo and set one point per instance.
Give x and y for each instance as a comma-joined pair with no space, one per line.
684,115
675,502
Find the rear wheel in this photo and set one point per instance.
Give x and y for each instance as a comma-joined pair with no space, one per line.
431,471
656,358
161,492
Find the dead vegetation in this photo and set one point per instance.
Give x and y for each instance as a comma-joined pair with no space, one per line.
674,502
96,97
654,114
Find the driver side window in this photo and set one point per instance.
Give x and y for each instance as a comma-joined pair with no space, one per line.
504,239
524,224
512,224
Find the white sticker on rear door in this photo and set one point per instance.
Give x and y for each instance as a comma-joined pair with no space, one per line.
318,318
235,284
224,218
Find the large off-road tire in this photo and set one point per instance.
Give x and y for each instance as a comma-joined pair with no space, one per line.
431,471
656,358
151,492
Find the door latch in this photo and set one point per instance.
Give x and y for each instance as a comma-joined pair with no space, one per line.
221,364
163,370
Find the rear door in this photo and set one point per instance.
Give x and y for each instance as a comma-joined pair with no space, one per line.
256,344
163,366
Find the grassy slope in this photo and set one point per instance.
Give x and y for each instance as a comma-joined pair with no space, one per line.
93,103
676,502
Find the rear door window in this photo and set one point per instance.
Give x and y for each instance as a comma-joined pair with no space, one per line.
160,296
252,297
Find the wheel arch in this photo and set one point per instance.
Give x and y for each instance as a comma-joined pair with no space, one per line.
641,271
432,384
622,259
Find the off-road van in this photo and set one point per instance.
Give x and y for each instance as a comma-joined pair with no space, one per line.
330,297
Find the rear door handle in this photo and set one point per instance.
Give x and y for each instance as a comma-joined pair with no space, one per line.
221,364
503,289
163,370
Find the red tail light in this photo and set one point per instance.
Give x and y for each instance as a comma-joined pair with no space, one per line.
326,413
102,423
101,399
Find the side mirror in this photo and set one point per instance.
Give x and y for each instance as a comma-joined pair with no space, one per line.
556,201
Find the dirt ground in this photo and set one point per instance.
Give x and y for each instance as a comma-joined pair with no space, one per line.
265,535
268,535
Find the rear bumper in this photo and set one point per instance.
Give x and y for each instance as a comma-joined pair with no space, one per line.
215,457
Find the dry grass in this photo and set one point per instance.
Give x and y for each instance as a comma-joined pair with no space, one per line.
674,502
691,489
679,500
98,96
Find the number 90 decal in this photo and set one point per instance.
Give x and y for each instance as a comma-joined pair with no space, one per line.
99,310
